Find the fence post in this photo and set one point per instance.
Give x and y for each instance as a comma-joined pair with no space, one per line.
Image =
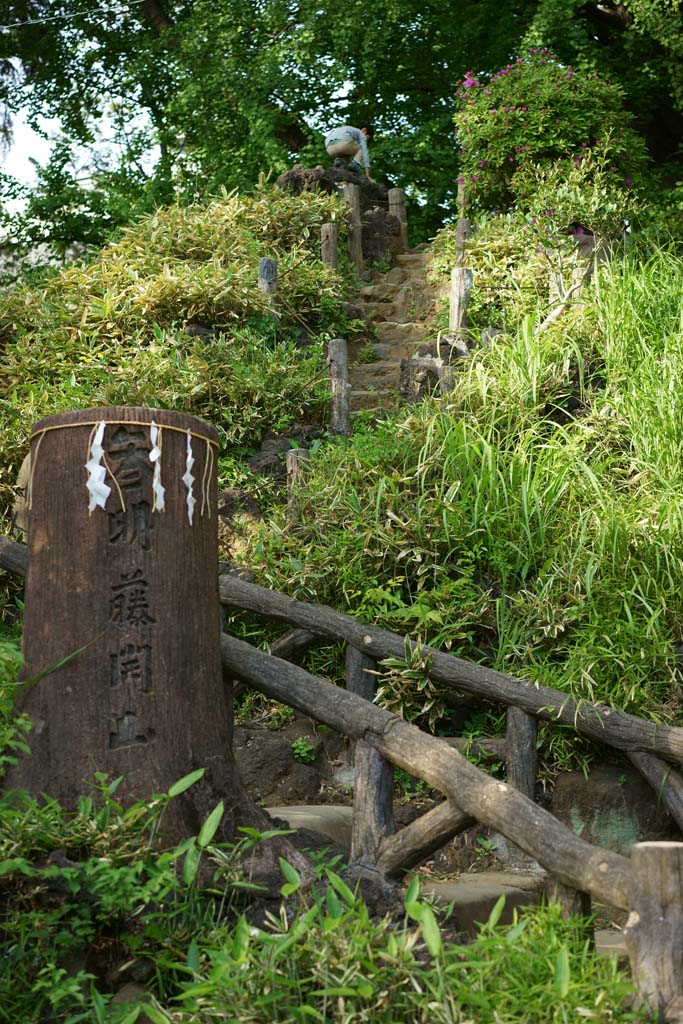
297,459
338,362
373,815
352,200
461,286
654,930
329,242
397,207
522,759
267,278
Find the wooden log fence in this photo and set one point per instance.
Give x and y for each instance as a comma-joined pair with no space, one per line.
596,721
649,884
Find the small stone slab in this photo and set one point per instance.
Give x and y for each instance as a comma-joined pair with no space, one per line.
610,943
332,820
474,896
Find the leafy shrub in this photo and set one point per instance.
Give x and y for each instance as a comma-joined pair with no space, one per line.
540,111
112,331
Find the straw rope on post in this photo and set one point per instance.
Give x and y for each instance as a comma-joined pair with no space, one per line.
373,790
352,200
397,207
329,245
267,279
338,362
122,582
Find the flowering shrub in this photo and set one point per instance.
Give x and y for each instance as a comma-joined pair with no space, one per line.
537,111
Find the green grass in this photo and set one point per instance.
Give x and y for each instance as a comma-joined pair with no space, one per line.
533,520
323,956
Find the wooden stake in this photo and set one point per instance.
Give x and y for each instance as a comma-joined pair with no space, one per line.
267,279
373,815
397,207
352,200
654,930
461,286
422,837
338,362
664,779
329,245
462,233
522,759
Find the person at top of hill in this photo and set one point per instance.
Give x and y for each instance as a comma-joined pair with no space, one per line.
347,141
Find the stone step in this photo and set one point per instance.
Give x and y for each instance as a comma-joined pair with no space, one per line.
372,401
384,374
395,312
380,292
332,820
475,895
412,259
389,332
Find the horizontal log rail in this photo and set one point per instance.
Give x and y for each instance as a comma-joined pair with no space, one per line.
597,721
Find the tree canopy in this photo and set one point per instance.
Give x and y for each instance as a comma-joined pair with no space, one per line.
203,94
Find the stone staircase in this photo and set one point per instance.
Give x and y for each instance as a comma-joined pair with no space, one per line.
399,304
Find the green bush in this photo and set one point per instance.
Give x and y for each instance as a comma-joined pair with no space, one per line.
536,112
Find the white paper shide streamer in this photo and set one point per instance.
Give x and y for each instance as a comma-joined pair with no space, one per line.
99,491
158,491
188,479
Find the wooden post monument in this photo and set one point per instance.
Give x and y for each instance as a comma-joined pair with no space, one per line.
123,582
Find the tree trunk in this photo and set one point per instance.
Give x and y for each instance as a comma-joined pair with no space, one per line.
123,577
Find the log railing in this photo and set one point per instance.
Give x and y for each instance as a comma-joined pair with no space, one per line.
649,884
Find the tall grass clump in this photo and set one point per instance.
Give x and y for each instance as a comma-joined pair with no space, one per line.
532,520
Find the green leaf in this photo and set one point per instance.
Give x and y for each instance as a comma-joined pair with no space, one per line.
415,911
191,865
334,907
494,916
515,932
413,891
131,1017
193,956
155,1014
290,873
562,973
208,829
341,887
430,931
187,780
